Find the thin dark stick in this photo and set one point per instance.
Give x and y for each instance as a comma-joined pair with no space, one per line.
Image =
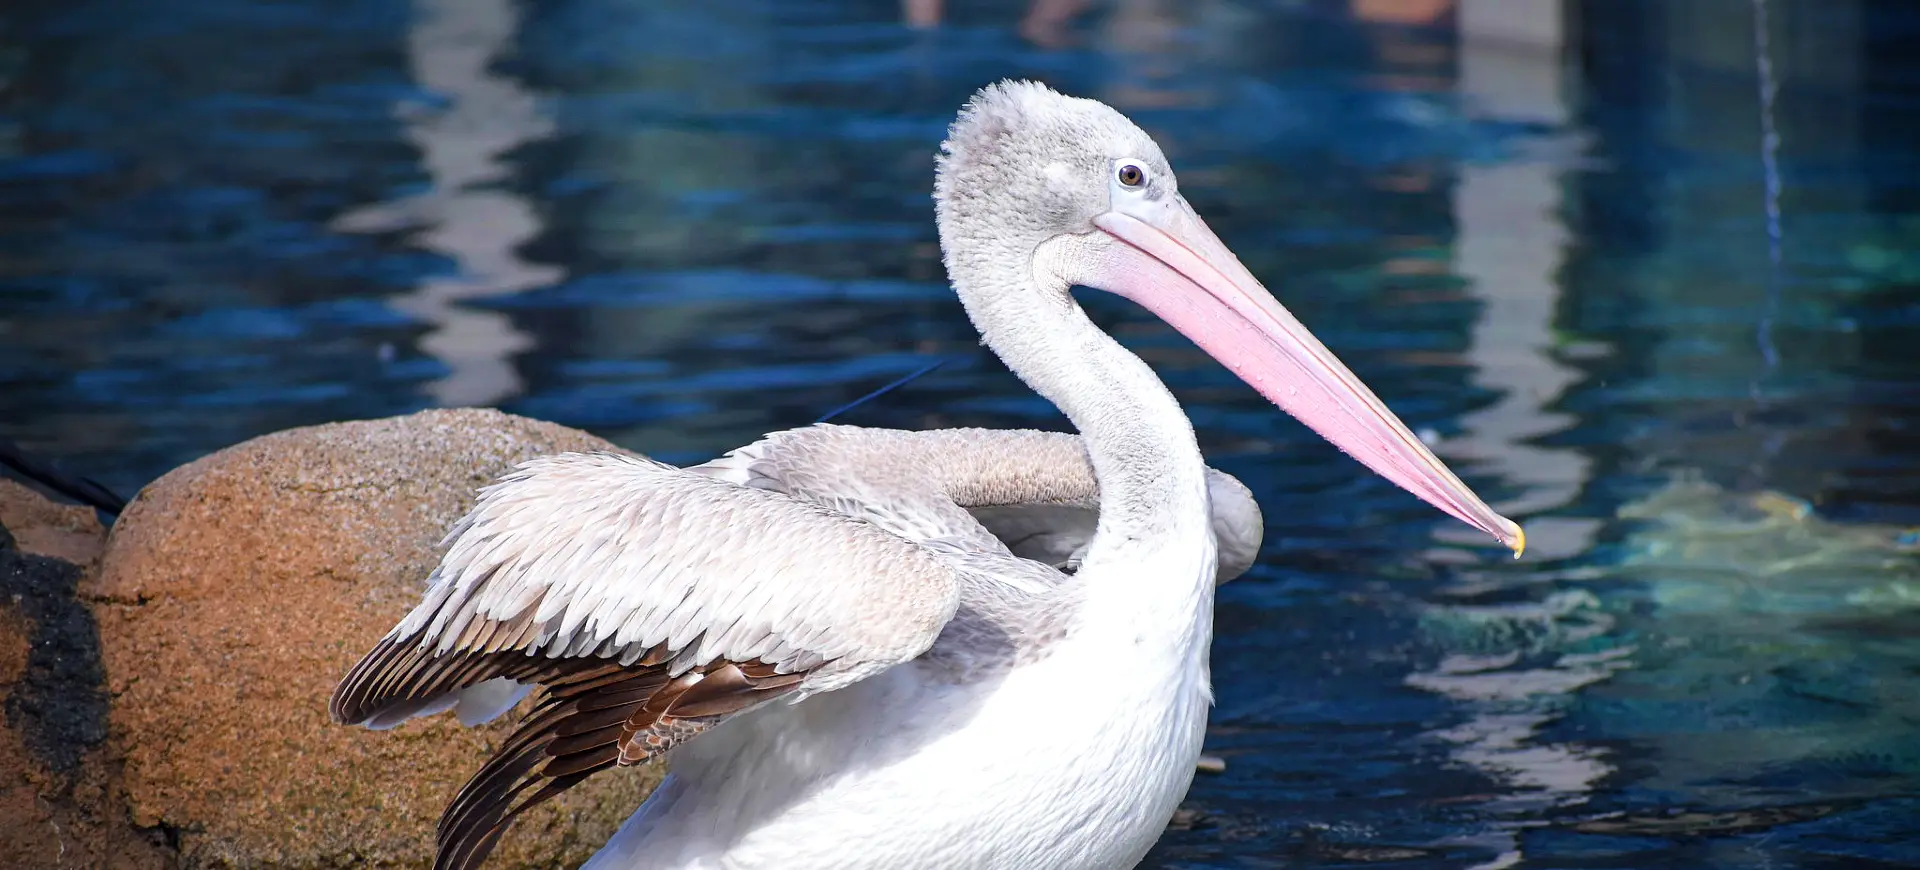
901,382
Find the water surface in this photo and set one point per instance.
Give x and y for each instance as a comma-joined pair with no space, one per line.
683,224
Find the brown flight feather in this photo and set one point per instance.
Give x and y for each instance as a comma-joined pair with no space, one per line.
590,714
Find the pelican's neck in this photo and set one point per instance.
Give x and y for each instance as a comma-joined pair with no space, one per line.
1153,489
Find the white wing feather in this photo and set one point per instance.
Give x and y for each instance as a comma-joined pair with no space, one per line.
617,556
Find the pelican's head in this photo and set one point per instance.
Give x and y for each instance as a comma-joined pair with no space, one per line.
1028,163
1067,191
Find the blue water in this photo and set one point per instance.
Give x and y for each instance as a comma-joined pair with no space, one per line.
682,224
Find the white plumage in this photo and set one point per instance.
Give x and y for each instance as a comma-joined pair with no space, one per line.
617,555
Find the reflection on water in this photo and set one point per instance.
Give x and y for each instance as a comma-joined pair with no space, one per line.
452,48
683,223
1046,22
1509,244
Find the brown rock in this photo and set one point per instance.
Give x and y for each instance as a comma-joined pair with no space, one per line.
60,802
40,527
234,593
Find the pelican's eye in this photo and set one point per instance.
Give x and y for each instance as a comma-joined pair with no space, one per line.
1131,175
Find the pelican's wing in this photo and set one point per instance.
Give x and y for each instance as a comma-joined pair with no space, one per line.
1023,493
650,603
1059,535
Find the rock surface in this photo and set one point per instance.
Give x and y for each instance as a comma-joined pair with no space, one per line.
40,527
60,800
233,594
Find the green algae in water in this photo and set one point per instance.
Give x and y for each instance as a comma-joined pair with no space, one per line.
1740,656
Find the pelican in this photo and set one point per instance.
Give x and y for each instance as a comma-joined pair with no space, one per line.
874,650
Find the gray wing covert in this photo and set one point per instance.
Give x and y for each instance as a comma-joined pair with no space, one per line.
1022,493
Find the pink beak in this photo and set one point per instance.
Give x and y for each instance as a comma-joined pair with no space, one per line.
1171,263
